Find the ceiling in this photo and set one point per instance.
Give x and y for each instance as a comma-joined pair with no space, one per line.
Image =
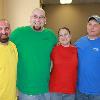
73,2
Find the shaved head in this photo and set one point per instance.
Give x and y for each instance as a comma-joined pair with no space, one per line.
39,9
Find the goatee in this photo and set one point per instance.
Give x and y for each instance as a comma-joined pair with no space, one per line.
37,29
5,40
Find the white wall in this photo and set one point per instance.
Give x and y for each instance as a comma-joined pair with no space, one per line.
18,11
1,9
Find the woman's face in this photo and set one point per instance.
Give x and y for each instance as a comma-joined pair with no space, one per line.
64,37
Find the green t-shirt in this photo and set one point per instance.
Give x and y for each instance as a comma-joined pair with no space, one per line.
34,49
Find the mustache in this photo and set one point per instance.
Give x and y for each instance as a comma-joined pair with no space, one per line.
3,34
34,23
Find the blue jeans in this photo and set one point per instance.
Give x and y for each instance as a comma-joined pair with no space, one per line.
61,96
83,96
45,96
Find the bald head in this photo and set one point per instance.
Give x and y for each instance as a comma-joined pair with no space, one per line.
5,21
39,10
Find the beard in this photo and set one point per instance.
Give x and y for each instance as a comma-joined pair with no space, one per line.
4,39
37,28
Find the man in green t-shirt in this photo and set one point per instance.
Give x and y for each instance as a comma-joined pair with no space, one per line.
34,44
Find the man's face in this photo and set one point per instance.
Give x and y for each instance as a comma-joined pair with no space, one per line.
93,29
37,20
4,31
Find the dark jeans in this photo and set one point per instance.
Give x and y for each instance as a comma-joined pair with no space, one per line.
83,96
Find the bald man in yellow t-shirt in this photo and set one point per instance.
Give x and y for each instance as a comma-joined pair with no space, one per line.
8,63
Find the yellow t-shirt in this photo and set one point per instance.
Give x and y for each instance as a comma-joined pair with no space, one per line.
8,67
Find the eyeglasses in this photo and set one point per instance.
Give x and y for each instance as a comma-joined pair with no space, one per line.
38,17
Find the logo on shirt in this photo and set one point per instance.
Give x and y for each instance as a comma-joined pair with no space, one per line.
96,49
